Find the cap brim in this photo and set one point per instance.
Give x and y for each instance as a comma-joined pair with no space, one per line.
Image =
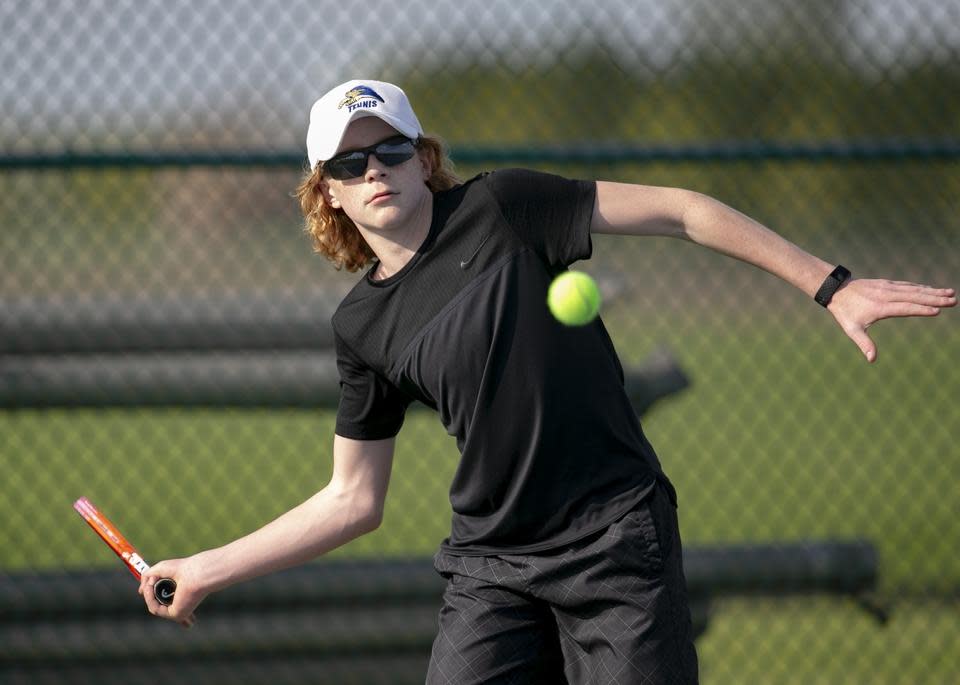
332,147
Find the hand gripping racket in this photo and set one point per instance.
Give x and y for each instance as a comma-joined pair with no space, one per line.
163,589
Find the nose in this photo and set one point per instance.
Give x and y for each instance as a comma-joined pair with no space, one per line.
375,168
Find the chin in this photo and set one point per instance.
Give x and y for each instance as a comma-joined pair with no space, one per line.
390,217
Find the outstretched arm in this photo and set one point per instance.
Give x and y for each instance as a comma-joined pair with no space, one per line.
348,507
629,209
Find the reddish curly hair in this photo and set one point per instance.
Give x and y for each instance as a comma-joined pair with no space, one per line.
333,233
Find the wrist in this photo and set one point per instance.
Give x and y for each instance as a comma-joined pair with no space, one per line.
831,284
207,572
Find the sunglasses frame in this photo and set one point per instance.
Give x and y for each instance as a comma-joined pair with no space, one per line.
347,165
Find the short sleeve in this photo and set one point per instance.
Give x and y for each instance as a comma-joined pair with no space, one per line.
371,408
549,213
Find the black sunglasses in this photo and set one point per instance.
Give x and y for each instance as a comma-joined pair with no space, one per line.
391,152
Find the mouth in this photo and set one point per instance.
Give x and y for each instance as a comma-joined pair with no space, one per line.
379,197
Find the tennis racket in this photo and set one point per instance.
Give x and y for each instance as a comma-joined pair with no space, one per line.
163,589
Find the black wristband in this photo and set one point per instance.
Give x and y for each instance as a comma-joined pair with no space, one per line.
831,285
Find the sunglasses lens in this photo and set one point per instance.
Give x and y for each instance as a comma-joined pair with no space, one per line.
346,166
393,153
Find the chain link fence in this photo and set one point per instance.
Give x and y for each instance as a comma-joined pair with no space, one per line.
148,154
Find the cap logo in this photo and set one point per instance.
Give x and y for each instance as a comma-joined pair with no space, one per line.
361,96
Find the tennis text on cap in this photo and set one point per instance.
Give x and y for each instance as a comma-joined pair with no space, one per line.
361,96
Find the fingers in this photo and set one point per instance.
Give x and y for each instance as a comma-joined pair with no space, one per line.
866,345
932,298
149,598
920,294
910,284
915,300
185,599
868,301
149,595
174,612
894,309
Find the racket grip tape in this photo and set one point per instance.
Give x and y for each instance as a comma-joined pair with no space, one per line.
164,589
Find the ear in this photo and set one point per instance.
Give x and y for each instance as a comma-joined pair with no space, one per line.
329,195
425,166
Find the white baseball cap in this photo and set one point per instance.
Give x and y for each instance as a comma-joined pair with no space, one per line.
332,113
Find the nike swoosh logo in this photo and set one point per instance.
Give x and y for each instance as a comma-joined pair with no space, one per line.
466,262
166,594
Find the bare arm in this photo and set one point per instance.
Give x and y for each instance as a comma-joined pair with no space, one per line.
348,507
647,210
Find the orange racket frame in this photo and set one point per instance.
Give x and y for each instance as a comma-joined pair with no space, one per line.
163,589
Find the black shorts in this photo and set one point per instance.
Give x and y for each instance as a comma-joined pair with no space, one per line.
611,608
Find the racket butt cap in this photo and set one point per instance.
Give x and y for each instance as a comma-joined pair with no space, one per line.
164,590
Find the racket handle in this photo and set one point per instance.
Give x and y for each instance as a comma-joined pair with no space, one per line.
163,590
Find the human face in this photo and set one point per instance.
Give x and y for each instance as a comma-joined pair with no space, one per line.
382,197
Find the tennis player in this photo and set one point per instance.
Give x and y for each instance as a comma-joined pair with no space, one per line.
563,563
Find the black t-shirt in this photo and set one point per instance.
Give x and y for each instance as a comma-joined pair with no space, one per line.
551,449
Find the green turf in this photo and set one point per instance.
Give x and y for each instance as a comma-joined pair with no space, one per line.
814,640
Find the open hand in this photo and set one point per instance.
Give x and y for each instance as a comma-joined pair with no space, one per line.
862,302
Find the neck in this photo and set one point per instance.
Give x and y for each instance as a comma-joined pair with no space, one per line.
396,246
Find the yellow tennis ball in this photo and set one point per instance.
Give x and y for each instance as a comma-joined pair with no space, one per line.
573,298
